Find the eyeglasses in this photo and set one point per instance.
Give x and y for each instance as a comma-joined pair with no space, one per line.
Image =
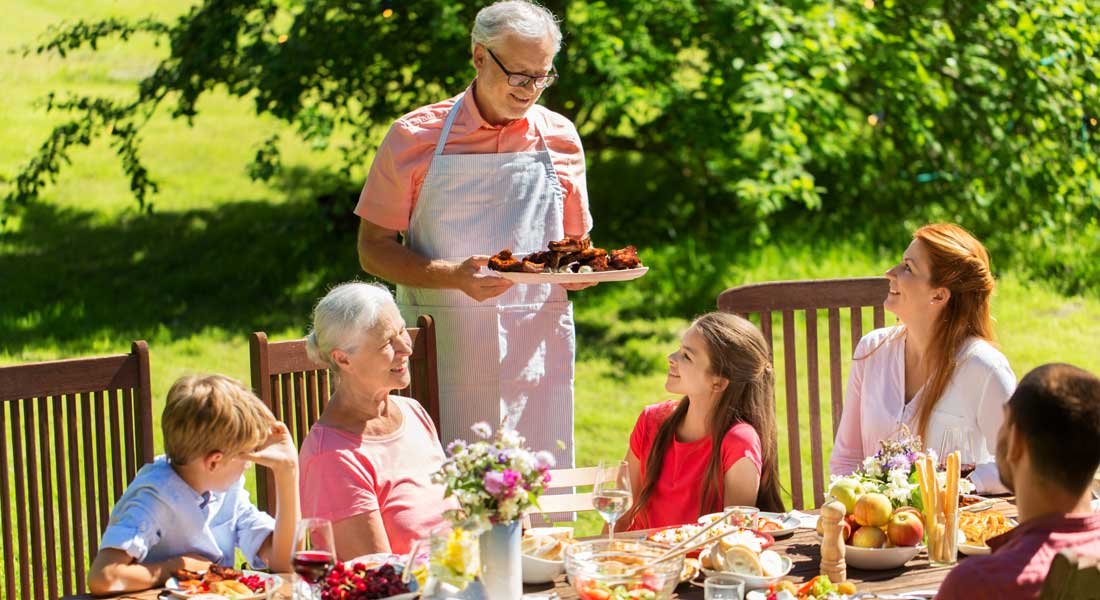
522,79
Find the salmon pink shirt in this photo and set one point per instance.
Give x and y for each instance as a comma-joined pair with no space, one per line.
680,486
344,475
399,167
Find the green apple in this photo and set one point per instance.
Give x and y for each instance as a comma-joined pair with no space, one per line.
847,491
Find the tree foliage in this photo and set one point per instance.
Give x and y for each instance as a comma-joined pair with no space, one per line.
878,112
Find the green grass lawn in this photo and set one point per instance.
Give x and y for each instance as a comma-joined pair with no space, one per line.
84,272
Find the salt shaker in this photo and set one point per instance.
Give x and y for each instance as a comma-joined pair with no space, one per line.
832,542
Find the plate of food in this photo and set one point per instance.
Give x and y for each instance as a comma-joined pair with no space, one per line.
757,568
978,528
975,503
818,588
674,535
222,581
569,261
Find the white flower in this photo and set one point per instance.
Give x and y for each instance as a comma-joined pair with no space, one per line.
544,459
482,430
871,467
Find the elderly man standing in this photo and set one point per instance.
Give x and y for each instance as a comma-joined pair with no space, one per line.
464,178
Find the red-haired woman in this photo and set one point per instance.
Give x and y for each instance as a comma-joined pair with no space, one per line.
715,446
938,369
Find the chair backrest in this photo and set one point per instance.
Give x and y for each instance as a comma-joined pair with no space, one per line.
561,497
1072,577
73,433
296,389
793,302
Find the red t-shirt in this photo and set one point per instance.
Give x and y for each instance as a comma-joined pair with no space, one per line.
680,486
1021,558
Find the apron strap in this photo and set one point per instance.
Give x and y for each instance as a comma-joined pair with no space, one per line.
447,125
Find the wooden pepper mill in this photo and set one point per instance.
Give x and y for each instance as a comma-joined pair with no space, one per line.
832,543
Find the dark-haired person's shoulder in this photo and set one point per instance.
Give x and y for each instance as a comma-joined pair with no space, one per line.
969,580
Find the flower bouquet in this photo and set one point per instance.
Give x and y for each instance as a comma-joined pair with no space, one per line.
892,471
495,480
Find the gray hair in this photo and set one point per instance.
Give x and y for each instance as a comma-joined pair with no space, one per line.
514,17
341,319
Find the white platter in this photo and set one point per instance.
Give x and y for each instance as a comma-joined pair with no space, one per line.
597,277
273,583
751,582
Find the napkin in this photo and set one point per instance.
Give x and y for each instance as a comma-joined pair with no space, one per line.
805,520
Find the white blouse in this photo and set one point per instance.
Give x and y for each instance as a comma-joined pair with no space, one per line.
875,408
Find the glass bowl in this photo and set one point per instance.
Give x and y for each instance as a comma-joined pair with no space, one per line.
599,568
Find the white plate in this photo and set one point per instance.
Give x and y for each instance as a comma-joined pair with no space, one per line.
273,583
599,276
751,582
790,523
972,550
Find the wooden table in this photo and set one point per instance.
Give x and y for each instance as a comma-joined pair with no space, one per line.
803,549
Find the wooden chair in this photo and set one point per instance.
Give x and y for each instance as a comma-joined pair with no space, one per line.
562,480
800,301
297,389
73,433
1072,577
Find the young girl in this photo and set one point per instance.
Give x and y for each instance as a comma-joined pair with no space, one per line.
715,446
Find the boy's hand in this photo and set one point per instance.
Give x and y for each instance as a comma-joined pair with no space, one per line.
277,452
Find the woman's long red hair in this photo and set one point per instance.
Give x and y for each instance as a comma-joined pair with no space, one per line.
960,263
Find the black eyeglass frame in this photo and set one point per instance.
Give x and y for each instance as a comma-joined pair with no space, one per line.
541,81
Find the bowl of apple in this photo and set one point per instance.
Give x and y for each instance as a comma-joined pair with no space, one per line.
879,537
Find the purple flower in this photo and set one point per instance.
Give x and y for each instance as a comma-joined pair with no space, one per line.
544,460
494,482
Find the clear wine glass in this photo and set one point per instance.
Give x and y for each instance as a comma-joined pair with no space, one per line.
313,556
958,438
611,495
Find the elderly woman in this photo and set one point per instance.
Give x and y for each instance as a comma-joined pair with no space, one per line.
937,371
366,464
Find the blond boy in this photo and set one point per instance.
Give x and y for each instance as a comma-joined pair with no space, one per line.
189,508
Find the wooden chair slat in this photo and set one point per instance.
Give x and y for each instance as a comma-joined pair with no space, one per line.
814,404
879,316
6,540
22,550
766,329
64,524
857,326
563,497
68,463
836,389
72,417
563,503
296,389
788,297
116,458
103,493
794,443
46,477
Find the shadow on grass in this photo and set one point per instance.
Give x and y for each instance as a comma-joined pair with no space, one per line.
71,279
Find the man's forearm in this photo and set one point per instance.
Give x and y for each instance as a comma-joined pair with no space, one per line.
390,260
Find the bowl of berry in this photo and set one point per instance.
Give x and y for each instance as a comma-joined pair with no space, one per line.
358,581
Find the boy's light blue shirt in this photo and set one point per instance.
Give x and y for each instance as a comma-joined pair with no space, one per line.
160,517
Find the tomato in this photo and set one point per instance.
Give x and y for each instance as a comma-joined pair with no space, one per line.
594,593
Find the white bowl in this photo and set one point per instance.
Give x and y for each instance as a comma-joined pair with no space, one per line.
878,559
755,583
538,570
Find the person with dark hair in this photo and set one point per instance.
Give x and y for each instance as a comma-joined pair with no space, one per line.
938,370
1048,450
715,446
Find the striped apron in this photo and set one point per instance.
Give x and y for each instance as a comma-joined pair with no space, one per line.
508,360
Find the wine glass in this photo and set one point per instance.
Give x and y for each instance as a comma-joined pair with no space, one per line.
611,495
313,556
958,438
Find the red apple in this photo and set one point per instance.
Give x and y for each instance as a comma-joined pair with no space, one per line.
905,529
873,510
869,537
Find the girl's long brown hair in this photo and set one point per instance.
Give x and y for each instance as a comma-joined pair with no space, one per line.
737,352
960,263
